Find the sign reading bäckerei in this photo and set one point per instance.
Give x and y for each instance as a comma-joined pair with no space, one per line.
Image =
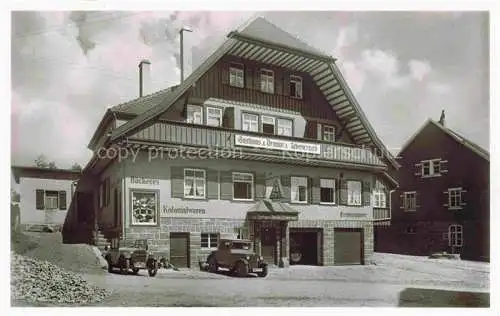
277,144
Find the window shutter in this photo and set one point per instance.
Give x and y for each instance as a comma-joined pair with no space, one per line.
286,84
40,199
402,201
225,72
443,166
311,130
212,184
367,193
446,197
285,185
343,192
417,200
418,171
177,182
248,77
62,200
256,80
260,185
228,117
319,133
316,191
226,185
463,197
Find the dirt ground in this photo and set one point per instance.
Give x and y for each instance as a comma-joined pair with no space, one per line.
393,281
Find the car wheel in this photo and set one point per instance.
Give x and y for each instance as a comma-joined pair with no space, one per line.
263,274
241,269
135,271
212,265
153,270
124,266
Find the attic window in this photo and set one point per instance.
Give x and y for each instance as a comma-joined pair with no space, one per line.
194,114
236,75
296,87
267,80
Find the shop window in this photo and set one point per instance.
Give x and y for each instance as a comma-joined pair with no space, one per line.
242,186
144,207
299,189
209,240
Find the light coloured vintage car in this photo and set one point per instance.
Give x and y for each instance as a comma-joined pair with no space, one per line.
132,258
238,257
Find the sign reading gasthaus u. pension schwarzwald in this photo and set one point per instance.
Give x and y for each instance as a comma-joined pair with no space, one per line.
277,144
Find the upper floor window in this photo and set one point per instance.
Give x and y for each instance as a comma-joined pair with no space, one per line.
194,183
296,87
354,193
268,124
299,189
250,122
327,191
194,114
242,186
285,127
236,75
455,198
410,201
329,133
379,198
267,80
431,167
214,116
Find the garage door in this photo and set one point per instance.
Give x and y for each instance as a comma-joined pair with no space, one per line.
179,250
348,245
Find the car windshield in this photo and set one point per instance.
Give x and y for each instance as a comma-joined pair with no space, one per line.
241,245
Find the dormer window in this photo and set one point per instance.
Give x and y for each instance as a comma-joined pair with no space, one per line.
236,75
214,116
296,87
194,114
329,133
267,80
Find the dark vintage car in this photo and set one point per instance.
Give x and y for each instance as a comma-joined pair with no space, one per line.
132,258
237,256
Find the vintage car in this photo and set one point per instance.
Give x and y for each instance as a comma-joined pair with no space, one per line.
132,258
237,256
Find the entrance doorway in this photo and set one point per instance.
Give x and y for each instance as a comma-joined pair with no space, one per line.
179,250
268,244
305,246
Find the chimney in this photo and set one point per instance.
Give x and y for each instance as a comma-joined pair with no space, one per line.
144,77
441,119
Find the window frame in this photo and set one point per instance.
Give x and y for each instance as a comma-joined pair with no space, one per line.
209,241
275,125
405,199
200,107
236,69
379,193
450,198
296,80
292,191
278,126
334,202
349,194
156,194
323,131
252,183
221,114
45,199
243,114
432,163
455,233
268,78
195,197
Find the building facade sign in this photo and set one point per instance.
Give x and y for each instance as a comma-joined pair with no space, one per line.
353,215
141,180
277,144
169,210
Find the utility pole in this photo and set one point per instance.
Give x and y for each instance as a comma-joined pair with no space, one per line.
181,32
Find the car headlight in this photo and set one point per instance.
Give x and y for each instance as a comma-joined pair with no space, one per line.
247,257
261,258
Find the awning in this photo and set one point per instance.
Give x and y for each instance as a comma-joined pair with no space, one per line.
271,210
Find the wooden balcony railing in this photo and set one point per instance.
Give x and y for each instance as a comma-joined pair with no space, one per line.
179,133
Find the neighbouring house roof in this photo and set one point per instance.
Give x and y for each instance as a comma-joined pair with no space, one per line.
453,134
264,42
142,104
44,173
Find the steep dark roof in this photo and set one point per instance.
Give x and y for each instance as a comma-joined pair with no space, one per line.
142,104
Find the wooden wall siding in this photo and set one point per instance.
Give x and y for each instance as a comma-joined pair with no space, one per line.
212,137
215,83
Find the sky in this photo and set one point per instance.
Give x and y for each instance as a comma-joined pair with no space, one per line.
403,67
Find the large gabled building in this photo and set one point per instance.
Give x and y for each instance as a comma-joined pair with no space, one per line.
442,203
264,140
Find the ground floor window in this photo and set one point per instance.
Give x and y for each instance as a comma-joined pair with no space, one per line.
242,186
327,191
209,240
144,207
455,233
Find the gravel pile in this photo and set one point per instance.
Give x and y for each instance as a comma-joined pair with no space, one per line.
41,281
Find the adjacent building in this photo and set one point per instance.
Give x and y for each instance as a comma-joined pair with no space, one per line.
45,195
263,141
442,203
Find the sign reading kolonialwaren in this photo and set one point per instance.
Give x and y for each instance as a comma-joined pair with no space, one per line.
167,210
277,144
